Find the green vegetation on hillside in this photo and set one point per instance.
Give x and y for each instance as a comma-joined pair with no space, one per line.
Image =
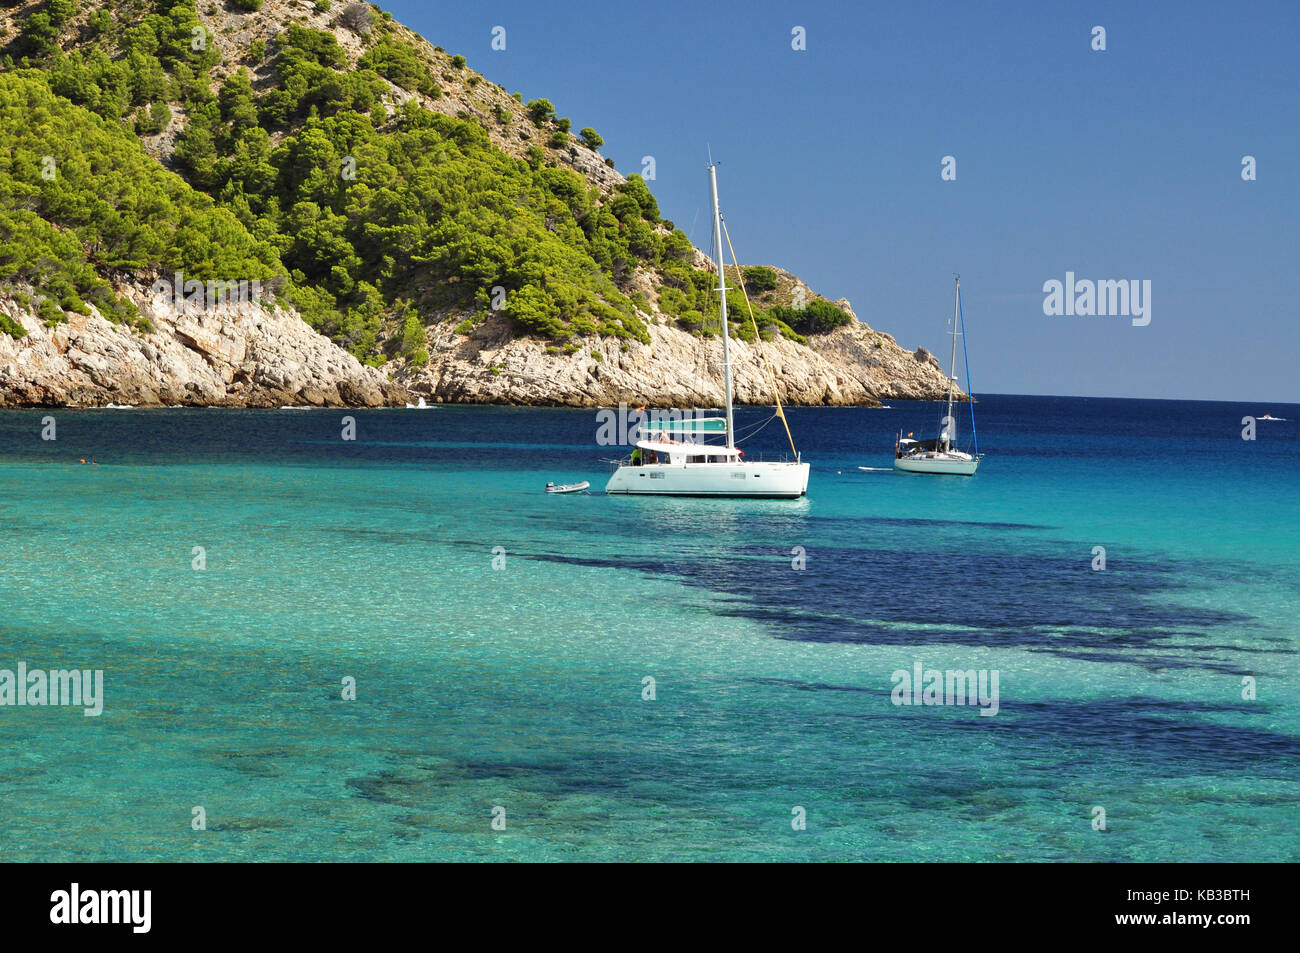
81,200
380,216
818,317
759,278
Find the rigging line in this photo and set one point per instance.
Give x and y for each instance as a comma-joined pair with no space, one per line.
755,428
970,389
740,279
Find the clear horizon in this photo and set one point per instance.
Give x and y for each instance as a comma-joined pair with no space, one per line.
1122,164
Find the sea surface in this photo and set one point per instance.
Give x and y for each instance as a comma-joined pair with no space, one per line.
521,689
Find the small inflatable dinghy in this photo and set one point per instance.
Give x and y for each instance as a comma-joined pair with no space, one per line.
567,487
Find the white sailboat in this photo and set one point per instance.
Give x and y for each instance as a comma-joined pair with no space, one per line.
940,455
671,457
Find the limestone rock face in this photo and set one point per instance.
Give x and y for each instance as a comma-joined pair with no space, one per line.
851,366
256,355
239,355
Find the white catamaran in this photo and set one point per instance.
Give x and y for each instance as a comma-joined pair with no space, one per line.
940,455
671,457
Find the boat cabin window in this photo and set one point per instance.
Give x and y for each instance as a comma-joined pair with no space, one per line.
695,459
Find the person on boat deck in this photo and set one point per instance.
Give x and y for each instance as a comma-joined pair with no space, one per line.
636,457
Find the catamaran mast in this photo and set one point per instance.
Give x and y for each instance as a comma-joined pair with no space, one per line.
722,302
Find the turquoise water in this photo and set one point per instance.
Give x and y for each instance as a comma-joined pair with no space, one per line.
521,687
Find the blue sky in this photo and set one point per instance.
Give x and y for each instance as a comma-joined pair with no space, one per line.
1122,164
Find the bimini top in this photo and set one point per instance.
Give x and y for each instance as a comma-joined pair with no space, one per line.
668,435
694,425
680,440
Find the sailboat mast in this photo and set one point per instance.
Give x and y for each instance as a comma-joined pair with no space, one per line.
722,300
952,366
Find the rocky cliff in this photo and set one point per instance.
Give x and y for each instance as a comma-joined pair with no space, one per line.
251,355
852,365
238,355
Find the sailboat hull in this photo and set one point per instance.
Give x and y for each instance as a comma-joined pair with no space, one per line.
757,480
949,464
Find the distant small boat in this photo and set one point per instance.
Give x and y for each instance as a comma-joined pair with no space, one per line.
1271,417
940,455
567,487
119,406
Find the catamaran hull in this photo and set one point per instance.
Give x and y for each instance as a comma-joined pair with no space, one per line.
753,480
930,465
